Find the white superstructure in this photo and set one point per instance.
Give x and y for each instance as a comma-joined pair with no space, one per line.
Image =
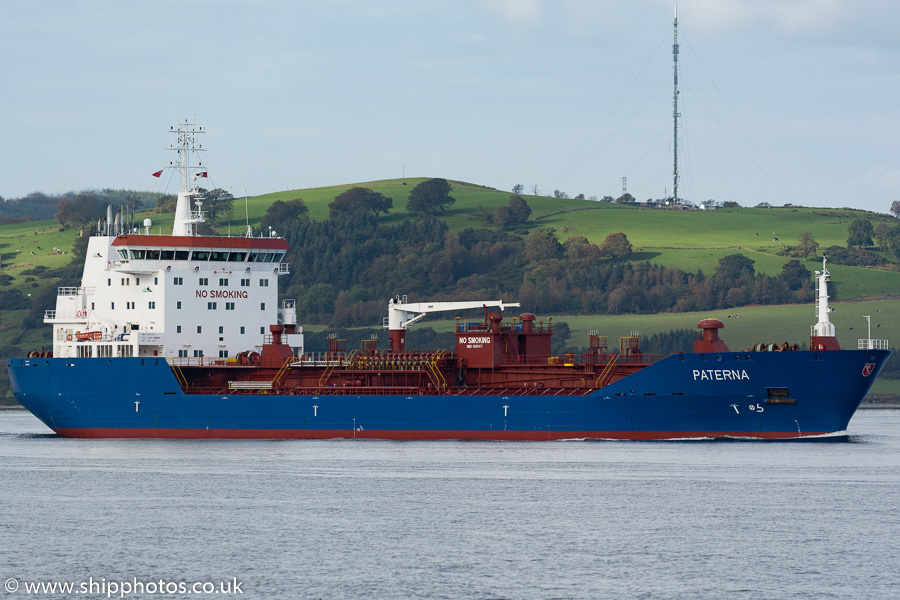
178,296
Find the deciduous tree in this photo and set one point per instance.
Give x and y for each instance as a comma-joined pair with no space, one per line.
881,231
806,244
860,233
81,209
360,198
735,266
166,204
514,213
795,274
281,212
542,244
430,197
616,246
892,240
218,204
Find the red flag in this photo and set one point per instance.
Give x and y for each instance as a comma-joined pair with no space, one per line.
157,174
202,174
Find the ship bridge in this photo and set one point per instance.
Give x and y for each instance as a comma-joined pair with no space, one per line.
172,296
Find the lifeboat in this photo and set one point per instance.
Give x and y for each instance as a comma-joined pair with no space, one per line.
88,336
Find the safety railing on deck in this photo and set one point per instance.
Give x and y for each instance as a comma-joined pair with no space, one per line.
74,291
638,358
869,344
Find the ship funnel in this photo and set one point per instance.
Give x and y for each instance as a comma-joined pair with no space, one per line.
109,219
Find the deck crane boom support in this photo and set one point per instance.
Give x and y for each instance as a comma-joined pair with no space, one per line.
402,314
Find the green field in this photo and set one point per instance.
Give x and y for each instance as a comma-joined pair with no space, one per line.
690,240
746,326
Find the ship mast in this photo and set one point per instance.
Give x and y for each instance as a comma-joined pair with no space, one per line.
185,218
675,113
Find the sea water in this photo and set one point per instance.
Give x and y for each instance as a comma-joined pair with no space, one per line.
386,519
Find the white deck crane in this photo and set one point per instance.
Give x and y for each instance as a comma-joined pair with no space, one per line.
402,314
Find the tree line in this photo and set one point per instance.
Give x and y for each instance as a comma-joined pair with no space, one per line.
72,208
344,268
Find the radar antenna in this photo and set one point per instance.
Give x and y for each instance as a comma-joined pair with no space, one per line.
185,218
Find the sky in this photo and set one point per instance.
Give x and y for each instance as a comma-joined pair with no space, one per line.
782,101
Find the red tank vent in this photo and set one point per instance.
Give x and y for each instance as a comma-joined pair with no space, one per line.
527,320
709,340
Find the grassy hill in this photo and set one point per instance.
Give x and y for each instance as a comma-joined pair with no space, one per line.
690,240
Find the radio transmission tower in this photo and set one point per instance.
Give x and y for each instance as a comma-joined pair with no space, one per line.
675,113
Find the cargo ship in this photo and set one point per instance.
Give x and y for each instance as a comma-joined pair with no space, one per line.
183,336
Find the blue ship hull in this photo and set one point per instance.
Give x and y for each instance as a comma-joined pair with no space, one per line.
758,394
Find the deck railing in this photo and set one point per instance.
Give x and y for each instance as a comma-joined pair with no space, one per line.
867,344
